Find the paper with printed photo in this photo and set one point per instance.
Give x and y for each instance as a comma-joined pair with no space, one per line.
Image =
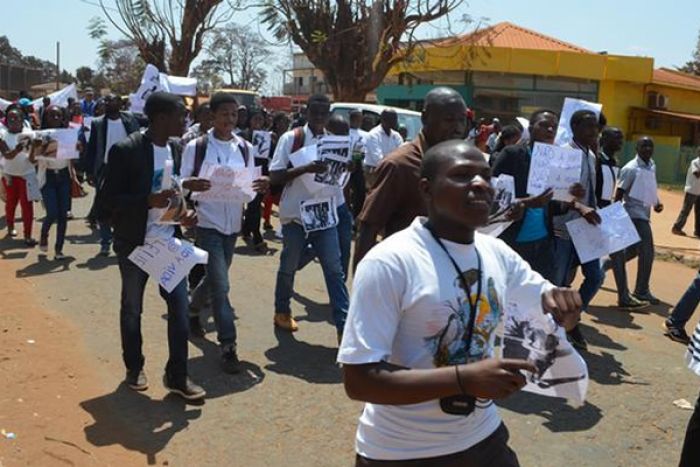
615,232
305,156
534,336
504,196
168,261
554,167
571,106
318,214
262,141
334,151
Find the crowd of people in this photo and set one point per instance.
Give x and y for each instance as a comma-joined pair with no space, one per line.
407,329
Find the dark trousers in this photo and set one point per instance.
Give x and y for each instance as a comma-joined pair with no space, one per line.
491,452
645,251
134,281
358,191
689,202
690,457
538,254
252,217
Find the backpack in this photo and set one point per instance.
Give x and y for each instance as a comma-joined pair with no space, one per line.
200,152
299,138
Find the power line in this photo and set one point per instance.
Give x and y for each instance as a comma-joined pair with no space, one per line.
88,2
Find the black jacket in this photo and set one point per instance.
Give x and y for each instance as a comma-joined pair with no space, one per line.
95,152
127,185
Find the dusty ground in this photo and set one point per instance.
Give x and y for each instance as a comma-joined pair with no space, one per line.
62,394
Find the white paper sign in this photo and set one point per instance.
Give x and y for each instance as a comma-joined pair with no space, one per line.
228,184
153,80
168,260
554,167
318,214
334,151
262,142
534,336
571,106
59,98
644,187
304,156
66,138
615,232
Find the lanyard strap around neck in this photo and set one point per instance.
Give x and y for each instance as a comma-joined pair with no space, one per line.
473,305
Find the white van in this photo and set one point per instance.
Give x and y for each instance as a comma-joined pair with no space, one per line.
408,118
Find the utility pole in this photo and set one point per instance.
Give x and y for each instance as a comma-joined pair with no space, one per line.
58,66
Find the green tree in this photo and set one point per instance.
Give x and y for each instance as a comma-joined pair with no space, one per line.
693,66
85,76
353,42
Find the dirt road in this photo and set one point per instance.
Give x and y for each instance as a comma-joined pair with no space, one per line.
62,394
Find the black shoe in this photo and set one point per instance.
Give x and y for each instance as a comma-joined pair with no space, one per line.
268,227
229,360
185,389
196,329
136,380
632,304
647,297
576,338
675,333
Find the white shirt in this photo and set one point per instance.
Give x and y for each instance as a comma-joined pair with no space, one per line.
115,133
380,145
692,183
295,192
153,229
19,166
408,307
226,218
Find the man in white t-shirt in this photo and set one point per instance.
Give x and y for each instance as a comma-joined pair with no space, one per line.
426,302
382,140
692,195
302,223
218,221
136,197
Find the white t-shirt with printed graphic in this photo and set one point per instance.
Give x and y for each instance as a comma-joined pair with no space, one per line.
153,229
408,307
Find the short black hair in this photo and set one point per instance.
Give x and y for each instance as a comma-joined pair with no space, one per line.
318,99
580,115
537,113
338,124
441,152
278,117
161,102
202,108
221,98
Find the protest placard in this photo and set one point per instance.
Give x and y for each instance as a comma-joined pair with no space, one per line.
262,141
644,187
318,214
304,156
504,188
66,140
334,152
571,106
228,184
554,167
615,232
532,335
168,260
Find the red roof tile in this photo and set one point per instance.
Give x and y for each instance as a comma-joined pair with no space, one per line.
509,35
676,78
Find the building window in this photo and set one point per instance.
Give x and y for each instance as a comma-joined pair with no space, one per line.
300,81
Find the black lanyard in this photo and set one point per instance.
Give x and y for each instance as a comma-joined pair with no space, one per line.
473,305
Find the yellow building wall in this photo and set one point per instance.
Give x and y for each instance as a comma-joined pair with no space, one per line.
617,98
680,100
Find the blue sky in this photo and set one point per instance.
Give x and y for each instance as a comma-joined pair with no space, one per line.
627,27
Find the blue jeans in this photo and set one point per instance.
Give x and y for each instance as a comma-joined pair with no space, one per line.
215,284
134,281
686,306
56,196
564,260
105,233
327,249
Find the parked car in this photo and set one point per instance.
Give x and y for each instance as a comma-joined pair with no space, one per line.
408,118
